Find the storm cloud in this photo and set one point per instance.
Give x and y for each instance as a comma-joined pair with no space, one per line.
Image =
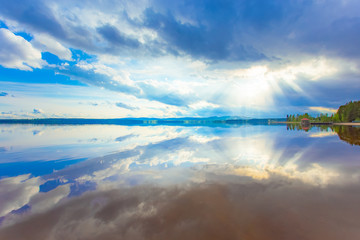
212,30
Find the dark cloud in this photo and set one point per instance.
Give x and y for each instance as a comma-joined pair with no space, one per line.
213,30
328,33
208,42
214,35
37,16
114,36
37,111
10,112
224,30
333,93
345,31
325,92
34,14
126,106
252,30
276,209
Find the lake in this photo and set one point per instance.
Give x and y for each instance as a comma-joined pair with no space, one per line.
179,182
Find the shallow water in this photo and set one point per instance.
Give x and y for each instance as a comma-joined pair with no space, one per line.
176,182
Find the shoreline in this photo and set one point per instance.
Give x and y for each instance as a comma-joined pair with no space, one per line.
339,124
347,124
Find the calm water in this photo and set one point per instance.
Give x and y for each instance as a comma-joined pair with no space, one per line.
169,182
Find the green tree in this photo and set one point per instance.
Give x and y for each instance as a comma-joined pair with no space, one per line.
348,112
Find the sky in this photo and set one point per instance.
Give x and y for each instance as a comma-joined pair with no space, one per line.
158,58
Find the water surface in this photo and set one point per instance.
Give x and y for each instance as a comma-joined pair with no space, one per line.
176,182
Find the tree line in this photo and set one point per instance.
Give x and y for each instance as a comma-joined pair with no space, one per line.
346,113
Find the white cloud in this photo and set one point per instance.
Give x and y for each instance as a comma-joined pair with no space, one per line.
323,109
16,52
203,104
46,43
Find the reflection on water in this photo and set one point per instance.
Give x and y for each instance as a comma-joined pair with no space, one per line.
169,182
349,134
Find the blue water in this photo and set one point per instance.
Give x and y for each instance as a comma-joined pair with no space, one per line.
48,167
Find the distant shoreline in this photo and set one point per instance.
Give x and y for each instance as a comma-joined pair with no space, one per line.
211,121
339,124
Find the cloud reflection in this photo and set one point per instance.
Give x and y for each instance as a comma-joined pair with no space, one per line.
274,209
15,192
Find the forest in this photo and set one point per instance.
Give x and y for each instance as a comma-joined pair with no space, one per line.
349,112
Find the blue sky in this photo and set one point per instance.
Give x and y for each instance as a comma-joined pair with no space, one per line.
156,58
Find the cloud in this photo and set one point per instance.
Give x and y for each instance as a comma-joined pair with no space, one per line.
21,114
46,43
125,137
323,109
44,19
39,18
274,209
210,30
123,105
16,52
100,75
93,104
336,32
114,36
243,30
16,192
161,33
46,200
155,90
37,111
322,134
205,41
